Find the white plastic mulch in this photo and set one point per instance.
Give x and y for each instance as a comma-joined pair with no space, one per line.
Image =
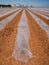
7,20
42,24
21,50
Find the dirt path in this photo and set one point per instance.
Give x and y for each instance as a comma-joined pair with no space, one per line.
38,43
41,17
7,39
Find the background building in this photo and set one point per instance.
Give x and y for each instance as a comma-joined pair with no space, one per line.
13,5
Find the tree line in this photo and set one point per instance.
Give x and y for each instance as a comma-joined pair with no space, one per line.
5,5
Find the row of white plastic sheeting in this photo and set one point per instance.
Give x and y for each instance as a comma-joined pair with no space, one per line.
40,14
42,9
8,11
21,50
7,20
42,24
4,10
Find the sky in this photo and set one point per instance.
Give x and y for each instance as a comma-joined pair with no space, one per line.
29,2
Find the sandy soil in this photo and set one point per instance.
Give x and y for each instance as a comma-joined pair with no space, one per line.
7,39
38,42
42,18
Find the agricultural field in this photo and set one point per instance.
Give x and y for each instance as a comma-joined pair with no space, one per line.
27,27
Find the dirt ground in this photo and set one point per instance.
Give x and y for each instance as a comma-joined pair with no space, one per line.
7,40
38,41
